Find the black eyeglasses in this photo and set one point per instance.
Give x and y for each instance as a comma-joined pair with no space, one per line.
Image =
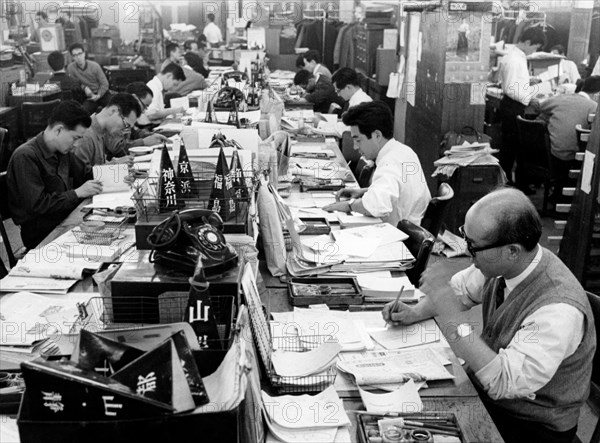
126,124
472,249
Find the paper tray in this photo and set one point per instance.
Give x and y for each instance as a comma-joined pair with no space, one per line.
368,423
353,295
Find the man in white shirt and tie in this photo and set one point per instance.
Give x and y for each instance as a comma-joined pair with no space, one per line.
533,360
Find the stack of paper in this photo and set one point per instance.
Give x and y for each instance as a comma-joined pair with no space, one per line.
115,192
356,220
307,423
385,289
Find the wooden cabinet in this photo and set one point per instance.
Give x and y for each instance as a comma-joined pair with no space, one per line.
368,38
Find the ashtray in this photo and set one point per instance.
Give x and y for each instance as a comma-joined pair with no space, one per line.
92,226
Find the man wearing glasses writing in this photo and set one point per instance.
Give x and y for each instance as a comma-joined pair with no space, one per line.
115,120
533,360
91,76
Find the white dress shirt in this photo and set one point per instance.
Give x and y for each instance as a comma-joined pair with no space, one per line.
398,188
212,33
514,76
596,70
158,100
568,71
359,97
546,337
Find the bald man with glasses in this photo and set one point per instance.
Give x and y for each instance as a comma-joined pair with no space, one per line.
533,361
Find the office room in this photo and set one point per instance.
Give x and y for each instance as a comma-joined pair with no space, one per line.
309,220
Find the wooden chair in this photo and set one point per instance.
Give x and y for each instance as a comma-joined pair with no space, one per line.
5,215
583,135
534,142
34,117
420,243
436,210
364,171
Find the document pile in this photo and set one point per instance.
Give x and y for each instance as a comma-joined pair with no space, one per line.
465,155
31,322
47,270
306,418
116,193
386,289
397,367
363,249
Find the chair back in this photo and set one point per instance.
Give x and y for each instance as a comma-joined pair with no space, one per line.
591,117
420,243
436,210
3,161
364,171
5,215
34,117
583,135
534,142
351,155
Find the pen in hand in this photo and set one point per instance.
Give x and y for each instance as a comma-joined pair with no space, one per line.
395,305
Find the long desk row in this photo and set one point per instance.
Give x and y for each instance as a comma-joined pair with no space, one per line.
457,396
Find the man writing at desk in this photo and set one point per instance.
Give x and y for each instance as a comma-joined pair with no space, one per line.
398,188
44,182
533,360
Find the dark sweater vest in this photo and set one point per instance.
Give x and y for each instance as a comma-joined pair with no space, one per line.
557,404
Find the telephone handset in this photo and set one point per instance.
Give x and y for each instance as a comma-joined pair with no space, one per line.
186,236
226,97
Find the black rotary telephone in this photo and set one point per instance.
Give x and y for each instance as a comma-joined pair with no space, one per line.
186,236
226,97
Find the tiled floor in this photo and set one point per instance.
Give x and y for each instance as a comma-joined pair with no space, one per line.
588,418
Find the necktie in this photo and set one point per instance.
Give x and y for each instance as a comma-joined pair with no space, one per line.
500,291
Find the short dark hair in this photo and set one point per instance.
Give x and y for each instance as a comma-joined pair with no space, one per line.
56,60
590,85
42,14
369,117
344,77
176,70
139,89
76,46
188,44
211,17
518,222
558,48
126,103
302,77
171,47
201,39
70,114
308,55
535,35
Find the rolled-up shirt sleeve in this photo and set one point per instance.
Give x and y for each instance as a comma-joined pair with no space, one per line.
468,286
546,337
383,192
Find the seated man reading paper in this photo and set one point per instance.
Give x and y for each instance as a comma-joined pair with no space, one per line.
45,182
533,360
398,188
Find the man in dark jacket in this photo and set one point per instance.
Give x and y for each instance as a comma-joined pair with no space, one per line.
319,91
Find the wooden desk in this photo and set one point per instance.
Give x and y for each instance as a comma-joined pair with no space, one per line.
41,96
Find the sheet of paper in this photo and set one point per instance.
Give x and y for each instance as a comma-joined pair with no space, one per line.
417,364
330,411
112,177
28,317
36,284
112,200
180,102
403,400
587,172
356,219
383,233
300,364
63,268
406,336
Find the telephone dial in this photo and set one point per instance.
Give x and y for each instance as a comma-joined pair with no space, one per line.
238,76
226,97
186,236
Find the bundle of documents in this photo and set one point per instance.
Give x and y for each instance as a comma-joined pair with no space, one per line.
386,289
398,367
115,192
308,424
464,155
